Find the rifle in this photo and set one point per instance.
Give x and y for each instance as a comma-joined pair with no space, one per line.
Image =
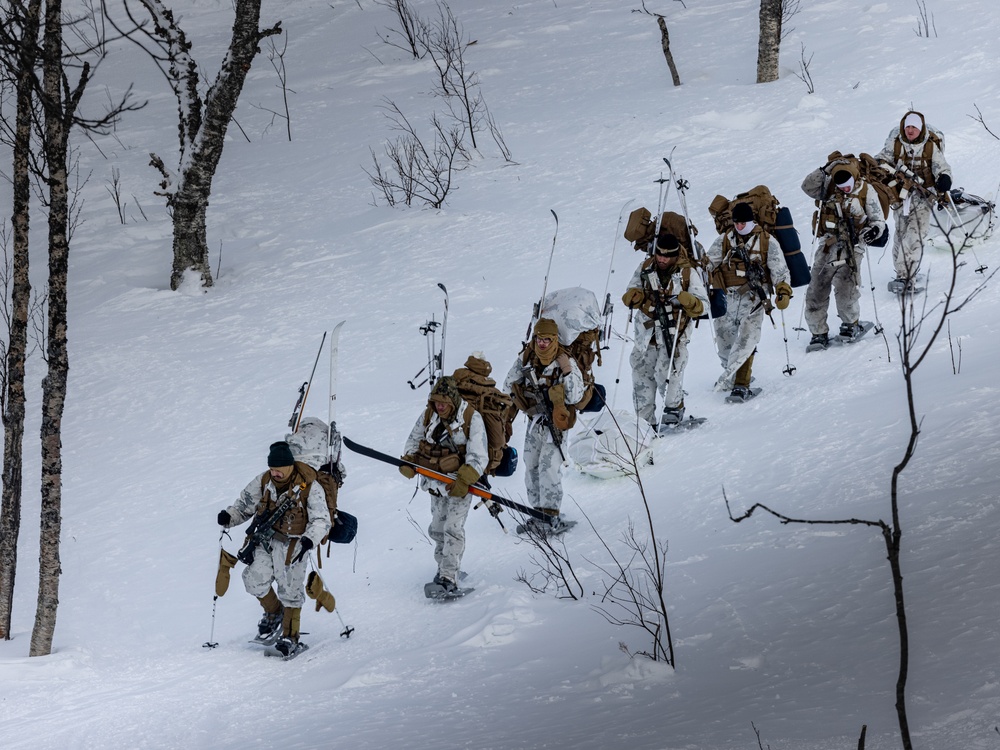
661,313
261,530
851,235
910,181
756,278
543,402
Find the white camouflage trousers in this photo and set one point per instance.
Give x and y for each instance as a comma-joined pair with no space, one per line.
846,285
649,376
737,334
289,580
912,222
542,468
447,529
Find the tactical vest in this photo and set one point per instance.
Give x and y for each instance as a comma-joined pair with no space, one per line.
293,522
526,396
732,272
829,219
920,162
444,454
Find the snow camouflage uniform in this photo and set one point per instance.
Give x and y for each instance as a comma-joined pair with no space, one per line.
541,458
307,517
650,358
439,442
837,262
738,331
913,215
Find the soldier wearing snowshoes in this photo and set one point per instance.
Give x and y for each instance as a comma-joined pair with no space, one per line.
450,437
290,518
914,153
748,263
543,380
848,220
666,292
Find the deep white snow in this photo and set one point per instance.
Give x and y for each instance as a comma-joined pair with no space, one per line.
175,396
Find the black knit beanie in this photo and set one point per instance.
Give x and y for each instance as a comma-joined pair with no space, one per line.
742,213
280,455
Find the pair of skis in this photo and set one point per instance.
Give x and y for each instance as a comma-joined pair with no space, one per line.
434,368
296,418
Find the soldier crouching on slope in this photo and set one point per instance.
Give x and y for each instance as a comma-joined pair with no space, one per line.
281,560
449,437
542,370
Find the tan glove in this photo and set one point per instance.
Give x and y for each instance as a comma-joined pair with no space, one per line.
633,297
315,590
783,295
691,304
226,562
408,471
467,475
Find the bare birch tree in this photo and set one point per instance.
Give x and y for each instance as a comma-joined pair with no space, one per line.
202,124
21,23
769,40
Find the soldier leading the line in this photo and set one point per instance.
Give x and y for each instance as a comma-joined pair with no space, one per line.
666,292
301,528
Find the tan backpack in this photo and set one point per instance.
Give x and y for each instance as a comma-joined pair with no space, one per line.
641,229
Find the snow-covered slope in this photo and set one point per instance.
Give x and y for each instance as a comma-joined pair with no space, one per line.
174,398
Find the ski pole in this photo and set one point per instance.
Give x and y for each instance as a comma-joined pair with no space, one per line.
346,632
211,642
789,367
980,268
304,391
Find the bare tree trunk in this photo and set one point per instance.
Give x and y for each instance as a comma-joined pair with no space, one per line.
54,383
665,41
14,398
202,126
769,41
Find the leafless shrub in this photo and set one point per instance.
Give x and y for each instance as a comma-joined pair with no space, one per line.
413,170
804,75
789,9
411,28
635,580
114,188
551,566
925,26
979,118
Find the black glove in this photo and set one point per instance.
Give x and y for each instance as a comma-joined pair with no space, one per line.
943,184
224,518
305,544
870,235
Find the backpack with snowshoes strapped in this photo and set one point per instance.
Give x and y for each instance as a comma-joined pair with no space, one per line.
774,218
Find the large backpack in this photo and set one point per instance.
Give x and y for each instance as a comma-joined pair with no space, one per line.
495,407
641,230
871,172
309,444
578,315
774,218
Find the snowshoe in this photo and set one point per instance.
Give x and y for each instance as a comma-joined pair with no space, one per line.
905,286
444,588
287,649
554,527
851,332
684,424
818,342
741,394
268,629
